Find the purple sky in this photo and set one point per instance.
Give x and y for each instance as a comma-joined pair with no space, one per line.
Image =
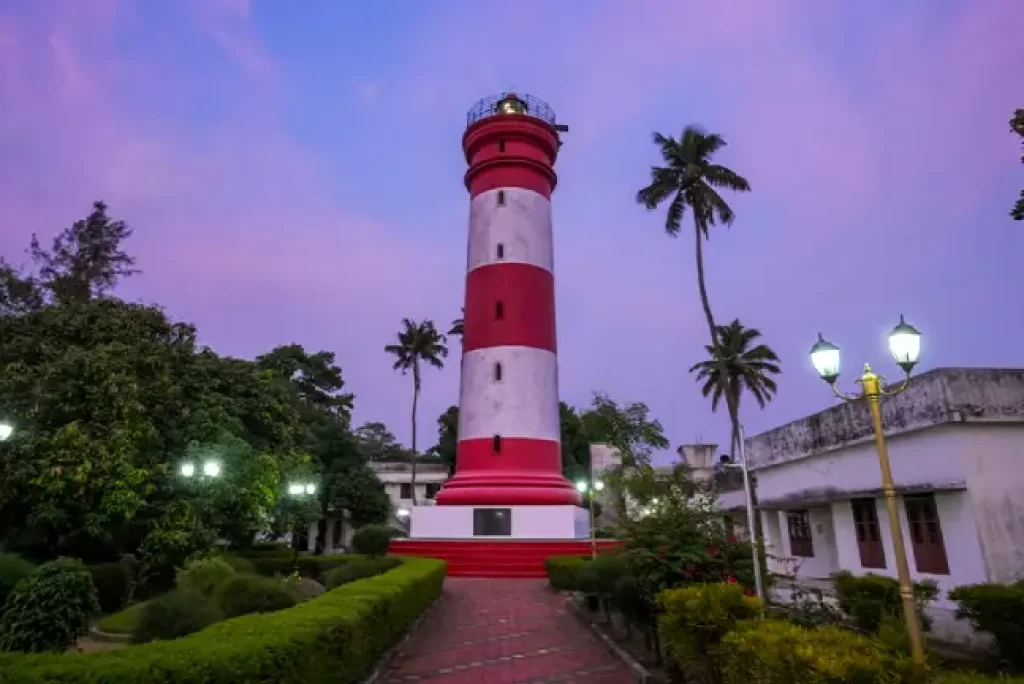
293,173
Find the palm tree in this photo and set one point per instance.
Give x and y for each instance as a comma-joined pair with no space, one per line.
690,180
417,342
459,325
739,363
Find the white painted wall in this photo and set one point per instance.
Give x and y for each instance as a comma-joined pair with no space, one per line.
528,522
524,403
918,458
522,225
994,456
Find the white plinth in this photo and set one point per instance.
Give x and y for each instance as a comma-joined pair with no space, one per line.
528,522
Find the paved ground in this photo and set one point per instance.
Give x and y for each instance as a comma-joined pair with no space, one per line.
501,632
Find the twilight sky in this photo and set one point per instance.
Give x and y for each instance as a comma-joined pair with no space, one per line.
293,174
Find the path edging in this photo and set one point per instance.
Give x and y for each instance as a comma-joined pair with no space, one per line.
635,668
389,656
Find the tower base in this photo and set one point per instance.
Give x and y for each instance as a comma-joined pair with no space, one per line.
498,541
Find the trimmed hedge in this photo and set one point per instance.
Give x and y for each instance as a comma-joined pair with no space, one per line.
313,567
337,637
124,622
999,610
13,569
562,571
360,569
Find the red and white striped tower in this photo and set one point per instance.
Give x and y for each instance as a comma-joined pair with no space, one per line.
509,450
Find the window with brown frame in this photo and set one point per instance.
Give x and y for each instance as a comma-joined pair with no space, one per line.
799,524
926,534
869,535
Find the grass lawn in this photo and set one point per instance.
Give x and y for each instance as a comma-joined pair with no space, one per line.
124,622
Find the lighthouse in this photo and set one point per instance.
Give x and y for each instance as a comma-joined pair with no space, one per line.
509,448
508,484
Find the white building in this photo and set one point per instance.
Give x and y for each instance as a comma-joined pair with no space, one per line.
956,446
397,479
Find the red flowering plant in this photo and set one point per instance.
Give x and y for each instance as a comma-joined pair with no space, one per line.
673,535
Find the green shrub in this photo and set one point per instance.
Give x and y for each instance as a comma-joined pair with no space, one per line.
360,569
204,576
335,638
693,621
372,540
562,571
174,615
303,588
999,610
241,566
245,594
13,569
112,581
123,622
50,609
869,599
780,652
313,567
629,601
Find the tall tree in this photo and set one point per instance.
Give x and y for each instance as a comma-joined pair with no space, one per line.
690,179
316,378
738,364
1017,126
377,443
85,260
418,342
18,294
447,437
628,429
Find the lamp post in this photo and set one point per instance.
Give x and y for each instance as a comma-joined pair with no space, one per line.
583,486
300,491
751,524
210,471
905,346
6,431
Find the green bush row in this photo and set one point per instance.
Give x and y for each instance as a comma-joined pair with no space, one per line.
336,637
562,571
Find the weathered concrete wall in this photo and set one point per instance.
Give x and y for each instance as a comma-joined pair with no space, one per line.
942,395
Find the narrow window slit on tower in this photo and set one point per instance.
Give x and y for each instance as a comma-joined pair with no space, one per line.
501,145
497,444
501,251
499,310
497,371
501,198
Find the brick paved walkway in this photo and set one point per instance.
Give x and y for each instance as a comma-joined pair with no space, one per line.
502,632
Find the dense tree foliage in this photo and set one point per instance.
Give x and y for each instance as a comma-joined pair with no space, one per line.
110,398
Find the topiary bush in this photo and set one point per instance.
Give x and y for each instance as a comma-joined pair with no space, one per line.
242,566
113,581
204,576
125,621
50,609
175,614
780,652
695,619
372,540
999,610
870,599
562,571
360,569
303,588
245,594
13,569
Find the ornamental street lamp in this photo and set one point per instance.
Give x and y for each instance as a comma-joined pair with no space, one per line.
905,346
210,471
582,486
6,431
301,491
